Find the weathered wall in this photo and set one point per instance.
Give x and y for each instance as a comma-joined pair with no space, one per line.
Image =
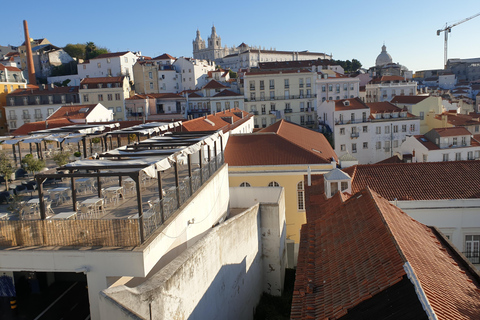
217,278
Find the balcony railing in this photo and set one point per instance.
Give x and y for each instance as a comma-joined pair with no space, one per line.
474,257
254,112
38,116
289,97
355,135
12,117
25,116
287,110
310,122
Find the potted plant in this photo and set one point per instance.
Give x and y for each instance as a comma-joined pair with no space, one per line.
77,154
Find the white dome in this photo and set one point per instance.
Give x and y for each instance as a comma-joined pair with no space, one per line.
383,58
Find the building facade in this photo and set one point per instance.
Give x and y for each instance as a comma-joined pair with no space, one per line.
274,95
111,92
109,65
386,87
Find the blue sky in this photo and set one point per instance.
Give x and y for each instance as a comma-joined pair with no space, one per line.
347,29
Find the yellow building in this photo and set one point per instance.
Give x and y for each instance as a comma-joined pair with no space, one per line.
420,106
279,156
11,79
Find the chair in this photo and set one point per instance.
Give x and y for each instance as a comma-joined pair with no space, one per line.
48,206
86,212
57,198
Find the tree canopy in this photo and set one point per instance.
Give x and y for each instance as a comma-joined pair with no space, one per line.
349,66
84,51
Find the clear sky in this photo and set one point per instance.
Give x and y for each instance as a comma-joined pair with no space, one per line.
347,29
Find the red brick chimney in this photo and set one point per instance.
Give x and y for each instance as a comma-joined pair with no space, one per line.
31,67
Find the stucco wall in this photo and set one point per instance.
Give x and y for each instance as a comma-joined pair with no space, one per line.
215,279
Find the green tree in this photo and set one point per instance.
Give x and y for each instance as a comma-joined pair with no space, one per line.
75,50
356,64
61,158
32,164
6,168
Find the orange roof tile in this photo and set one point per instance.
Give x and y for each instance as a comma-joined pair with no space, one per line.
216,121
102,80
419,181
228,93
310,140
387,79
41,125
111,55
359,249
349,104
72,112
408,99
213,84
452,131
164,56
34,90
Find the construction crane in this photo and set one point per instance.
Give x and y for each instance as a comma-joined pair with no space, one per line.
448,29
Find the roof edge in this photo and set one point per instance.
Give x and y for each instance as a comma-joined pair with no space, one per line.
419,291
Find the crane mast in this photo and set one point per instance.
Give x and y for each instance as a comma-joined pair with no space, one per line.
447,30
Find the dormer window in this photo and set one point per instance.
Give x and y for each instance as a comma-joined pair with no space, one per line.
109,85
454,142
85,86
99,85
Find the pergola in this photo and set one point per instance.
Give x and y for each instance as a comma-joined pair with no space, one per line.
148,157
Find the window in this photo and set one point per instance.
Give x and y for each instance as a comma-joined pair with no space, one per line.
100,97
412,127
119,109
99,65
126,59
395,129
245,184
302,120
333,188
342,131
395,143
472,248
342,147
272,95
365,129
324,88
378,130
49,111
264,122
287,83
272,84
387,146
252,84
354,148
458,156
454,141
117,96
364,116
219,106
337,88
464,141
477,128
404,128
109,73
445,157
365,145
151,85
345,86
300,196
274,184
309,84
272,107
352,117
85,98
252,96
109,97
330,87
378,145
387,129
150,75
470,155
263,109
300,83
344,185
262,85
422,115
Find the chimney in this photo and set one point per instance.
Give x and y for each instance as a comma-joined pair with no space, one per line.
46,124
31,67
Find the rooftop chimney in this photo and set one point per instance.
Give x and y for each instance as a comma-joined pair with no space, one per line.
31,67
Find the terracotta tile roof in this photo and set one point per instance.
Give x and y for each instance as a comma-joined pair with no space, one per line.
381,107
35,91
408,99
194,95
261,72
72,112
311,141
164,56
102,80
349,104
460,119
2,67
213,84
426,143
452,131
419,181
216,121
111,55
394,159
359,248
41,125
227,93
266,149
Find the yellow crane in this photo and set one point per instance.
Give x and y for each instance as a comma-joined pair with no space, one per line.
448,29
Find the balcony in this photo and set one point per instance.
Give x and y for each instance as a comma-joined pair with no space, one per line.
252,88
310,122
287,110
38,116
12,117
289,97
262,88
26,116
354,135
254,112
386,149
474,257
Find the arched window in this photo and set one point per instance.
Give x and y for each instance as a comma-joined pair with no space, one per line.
300,196
244,184
274,184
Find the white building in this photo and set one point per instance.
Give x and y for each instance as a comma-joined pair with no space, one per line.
192,73
370,132
335,86
386,87
287,94
109,65
88,113
109,91
442,144
244,56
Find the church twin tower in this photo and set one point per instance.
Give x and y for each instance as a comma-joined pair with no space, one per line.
213,51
